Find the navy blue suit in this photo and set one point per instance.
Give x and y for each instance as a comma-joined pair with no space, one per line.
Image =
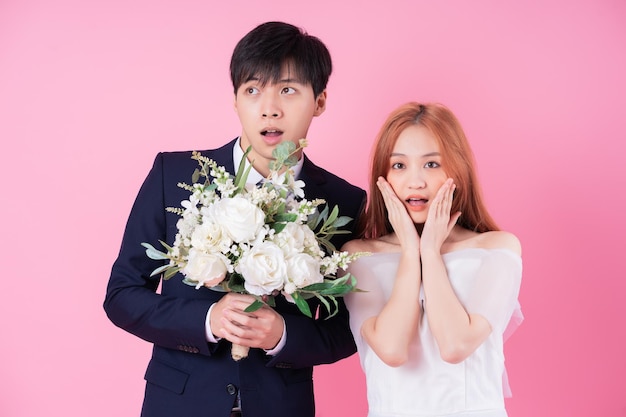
188,376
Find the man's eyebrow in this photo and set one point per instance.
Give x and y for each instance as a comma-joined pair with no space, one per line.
291,80
256,78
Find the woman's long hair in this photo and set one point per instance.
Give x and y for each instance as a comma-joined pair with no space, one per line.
457,161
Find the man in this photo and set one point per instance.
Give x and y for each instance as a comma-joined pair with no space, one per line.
279,75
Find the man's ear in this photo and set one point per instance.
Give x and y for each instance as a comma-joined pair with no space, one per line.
320,103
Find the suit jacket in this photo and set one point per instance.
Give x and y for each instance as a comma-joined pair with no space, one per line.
188,376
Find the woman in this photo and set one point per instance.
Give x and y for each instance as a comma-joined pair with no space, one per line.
442,280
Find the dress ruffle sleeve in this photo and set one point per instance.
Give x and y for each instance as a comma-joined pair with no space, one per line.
495,290
495,293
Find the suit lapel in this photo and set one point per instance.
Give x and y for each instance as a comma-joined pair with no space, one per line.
224,156
313,178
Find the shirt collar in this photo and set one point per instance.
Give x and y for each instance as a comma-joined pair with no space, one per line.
254,177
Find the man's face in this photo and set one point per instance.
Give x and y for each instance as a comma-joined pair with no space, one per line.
275,113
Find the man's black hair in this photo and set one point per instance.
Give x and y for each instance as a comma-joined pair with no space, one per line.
264,51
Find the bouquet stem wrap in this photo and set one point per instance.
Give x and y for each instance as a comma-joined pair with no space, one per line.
239,352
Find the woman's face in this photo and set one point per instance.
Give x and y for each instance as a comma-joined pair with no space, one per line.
415,170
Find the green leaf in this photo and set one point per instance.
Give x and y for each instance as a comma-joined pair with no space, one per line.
236,287
257,304
336,307
242,173
302,305
329,309
325,302
195,176
331,219
317,287
271,301
326,244
341,280
278,227
171,272
286,217
240,181
337,290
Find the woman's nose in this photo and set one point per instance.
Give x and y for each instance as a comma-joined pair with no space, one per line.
417,181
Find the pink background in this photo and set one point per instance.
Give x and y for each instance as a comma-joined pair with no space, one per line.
91,90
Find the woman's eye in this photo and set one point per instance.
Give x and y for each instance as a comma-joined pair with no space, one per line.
397,165
432,164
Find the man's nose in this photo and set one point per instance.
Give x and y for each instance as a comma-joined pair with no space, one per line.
271,107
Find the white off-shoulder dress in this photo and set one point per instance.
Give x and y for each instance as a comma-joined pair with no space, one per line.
487,282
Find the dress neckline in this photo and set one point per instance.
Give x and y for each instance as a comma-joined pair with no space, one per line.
451,253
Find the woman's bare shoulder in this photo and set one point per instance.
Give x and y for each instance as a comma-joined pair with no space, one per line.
500,240
370,245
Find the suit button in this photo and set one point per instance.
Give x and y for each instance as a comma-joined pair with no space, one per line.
232,390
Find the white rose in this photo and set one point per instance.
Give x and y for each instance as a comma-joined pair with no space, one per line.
303,270
239,218
263,269
291,238
210,237
205,268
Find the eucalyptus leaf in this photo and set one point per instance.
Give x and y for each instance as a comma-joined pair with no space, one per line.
189,282
323,215
342,221
165,245
154,253
159,270
171,272
331,219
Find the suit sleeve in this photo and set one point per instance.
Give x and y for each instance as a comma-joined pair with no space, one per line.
132,301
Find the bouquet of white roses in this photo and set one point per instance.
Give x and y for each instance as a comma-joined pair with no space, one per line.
263,240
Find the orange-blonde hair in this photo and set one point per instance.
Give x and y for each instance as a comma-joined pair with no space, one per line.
457,161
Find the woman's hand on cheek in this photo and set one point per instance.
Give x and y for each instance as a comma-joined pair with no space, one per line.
398,216
439,223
